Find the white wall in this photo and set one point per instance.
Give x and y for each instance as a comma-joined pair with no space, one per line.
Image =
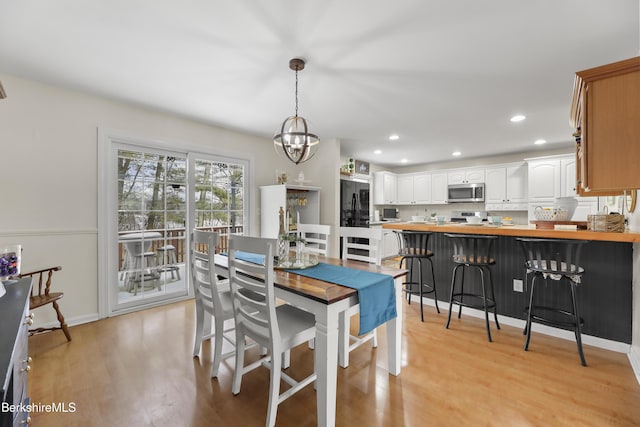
49,175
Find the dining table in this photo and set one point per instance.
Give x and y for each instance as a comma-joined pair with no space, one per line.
326,300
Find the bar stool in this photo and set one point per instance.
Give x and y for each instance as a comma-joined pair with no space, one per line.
473,251
413,247
167,261
557,260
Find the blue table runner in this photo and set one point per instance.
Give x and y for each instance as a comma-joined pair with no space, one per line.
376,294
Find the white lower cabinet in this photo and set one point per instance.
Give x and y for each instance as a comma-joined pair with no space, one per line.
389,242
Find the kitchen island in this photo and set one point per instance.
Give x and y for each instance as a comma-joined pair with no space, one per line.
605,294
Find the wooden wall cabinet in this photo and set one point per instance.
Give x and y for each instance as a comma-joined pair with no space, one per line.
605,111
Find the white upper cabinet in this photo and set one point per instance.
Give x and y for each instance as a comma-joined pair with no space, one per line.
506,187
568,176
439,188
466,176
414,189
544,178
385,187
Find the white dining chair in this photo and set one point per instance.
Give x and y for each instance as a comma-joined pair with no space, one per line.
212,297
276,328
359,244
316,237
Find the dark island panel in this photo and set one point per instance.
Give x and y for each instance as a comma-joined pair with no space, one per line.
605,294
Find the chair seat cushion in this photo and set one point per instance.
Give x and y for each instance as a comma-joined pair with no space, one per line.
295,325
40,300
480,260
415,252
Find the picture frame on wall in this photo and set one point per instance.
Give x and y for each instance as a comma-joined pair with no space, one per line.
362,167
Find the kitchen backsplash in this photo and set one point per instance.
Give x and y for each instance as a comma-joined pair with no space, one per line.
406,212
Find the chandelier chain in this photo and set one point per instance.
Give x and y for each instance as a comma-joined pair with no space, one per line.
296,91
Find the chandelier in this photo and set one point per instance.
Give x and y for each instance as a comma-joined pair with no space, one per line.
294,138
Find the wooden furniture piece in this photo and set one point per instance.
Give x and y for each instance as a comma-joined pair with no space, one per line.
316,237
358,244
556,260
277,328
473,251
605,112
42,296
326,300
14,359
413,249
212,296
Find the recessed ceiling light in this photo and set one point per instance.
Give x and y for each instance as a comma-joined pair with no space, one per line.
456,153
540,141
394,137
404,161
377,152
517,118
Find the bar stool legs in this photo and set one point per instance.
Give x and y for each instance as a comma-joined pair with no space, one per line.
486,301
409,285
575,323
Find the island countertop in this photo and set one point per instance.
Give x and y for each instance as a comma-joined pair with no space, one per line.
517,231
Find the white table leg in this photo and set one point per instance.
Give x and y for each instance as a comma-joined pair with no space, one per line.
343,338
394,333
327,364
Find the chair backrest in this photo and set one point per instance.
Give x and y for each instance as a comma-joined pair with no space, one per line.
362,244
472,249
413,243
553,256
205,283
256,316
316,237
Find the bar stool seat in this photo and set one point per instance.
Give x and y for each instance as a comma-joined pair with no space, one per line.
473,251
558,260
413,247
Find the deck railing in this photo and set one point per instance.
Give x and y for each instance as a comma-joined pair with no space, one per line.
177,238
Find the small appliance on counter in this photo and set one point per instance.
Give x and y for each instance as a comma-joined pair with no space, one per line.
389,214
461,216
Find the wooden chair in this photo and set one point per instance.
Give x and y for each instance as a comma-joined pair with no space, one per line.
359,244
42,295
316,237
276,328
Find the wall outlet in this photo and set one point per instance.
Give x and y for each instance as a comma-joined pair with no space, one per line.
518,285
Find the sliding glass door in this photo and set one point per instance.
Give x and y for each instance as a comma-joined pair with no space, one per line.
152,220
150,198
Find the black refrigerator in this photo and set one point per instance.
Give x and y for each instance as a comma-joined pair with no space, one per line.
354,203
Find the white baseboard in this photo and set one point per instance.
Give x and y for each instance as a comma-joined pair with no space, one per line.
634,359
616,346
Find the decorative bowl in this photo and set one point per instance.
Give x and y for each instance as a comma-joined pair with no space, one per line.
474,220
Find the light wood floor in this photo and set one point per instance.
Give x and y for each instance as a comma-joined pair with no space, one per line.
137,370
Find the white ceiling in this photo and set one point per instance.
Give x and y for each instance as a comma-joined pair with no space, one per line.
444,75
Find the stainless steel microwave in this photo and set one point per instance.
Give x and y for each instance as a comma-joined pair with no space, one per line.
459,193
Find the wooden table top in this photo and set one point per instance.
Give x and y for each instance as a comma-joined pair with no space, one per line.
517,230
326,292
